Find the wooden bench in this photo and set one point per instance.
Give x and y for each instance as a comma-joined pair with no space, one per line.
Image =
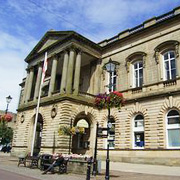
31,160
47,160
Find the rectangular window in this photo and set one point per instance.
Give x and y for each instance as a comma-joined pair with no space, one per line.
113,82
138,74
169,65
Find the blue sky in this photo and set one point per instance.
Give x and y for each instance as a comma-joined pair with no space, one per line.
24,22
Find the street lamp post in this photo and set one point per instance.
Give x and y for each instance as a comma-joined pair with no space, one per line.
110,67
8,100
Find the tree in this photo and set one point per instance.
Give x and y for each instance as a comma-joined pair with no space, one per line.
6,133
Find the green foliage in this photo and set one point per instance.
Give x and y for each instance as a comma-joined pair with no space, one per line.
6,133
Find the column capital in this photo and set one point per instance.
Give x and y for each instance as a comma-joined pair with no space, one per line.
30,68
40,63
79,51
72,48
66,51
55,56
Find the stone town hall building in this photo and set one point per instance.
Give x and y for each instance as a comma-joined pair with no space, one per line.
146,129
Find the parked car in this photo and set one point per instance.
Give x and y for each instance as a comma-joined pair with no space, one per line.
6,148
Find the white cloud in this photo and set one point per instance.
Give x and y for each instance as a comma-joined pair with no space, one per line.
12,67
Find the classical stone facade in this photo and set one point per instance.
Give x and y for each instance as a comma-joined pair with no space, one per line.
145,130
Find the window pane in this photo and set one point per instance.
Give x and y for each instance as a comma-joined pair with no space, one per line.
171,54
173,137
140,82
135,66
140,64
167,65
136,82
173,113
173,74
167,75
141,73
139,139
174,120
111,144
139,117
139,123
165,56
173,64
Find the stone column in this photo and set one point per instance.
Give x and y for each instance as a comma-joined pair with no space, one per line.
53,75
30,81
64,72
77,73
97,78
70,71
25,87
38,81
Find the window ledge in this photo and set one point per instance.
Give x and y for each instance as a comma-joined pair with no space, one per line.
171,82
137,90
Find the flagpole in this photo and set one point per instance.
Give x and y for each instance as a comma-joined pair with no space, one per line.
38,103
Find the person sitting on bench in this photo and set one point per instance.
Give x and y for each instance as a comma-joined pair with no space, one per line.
58,161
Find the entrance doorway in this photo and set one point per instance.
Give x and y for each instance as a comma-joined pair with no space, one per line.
80,141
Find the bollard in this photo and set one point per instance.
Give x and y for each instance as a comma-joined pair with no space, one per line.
88,175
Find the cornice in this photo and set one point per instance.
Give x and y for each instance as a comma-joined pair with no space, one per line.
70,36
57,98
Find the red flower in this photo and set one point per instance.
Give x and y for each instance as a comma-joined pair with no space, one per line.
6,117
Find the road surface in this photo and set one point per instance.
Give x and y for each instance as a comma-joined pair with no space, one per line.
6,175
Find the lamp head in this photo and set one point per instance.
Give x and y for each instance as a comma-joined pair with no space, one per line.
8,99
110,66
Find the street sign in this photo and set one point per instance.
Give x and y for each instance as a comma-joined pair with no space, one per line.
102,132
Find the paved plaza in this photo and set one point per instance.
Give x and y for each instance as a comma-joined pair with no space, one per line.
119,171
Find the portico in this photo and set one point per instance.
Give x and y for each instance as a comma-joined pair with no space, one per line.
64,74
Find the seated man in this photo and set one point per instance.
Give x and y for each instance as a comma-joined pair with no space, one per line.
58,161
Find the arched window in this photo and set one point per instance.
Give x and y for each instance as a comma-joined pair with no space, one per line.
135,66
166,56
173,129
169,65
138,131
138,74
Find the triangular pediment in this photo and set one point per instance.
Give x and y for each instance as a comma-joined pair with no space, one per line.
50,38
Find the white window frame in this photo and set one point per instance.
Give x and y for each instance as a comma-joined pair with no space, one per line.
137,129
169,64
171,126
134,74
113,76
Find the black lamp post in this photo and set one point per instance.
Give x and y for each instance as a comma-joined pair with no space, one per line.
110,67
8,100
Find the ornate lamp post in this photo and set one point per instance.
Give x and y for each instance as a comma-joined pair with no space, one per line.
8,100
110,67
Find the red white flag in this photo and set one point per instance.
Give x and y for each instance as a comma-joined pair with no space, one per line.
44,68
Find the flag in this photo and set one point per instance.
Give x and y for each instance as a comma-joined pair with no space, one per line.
44,68
38,103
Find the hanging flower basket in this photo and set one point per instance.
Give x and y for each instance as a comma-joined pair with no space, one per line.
65,130
6,118
113,99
